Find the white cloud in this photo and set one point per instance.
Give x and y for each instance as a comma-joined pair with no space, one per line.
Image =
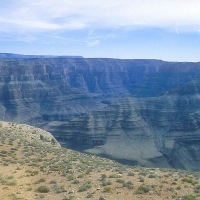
29,24
93,43
48,15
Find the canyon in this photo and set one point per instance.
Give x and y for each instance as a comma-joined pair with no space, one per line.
139,112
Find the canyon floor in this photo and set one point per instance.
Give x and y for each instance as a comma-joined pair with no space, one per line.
36,167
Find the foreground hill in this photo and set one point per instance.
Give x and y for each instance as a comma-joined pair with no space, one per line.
34,166
144,112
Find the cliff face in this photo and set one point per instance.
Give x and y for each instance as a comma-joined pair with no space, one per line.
137,111
155,131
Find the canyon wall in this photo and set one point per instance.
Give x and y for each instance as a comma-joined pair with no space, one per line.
143,112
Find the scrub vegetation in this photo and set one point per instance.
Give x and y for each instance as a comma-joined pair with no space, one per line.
30,169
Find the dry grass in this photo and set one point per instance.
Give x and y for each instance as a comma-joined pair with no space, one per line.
32,170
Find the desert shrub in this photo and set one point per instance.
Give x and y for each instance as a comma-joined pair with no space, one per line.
131,174
80,176
113,176
197,189
84,187
143,173
152,176
128,184
41,180
76,181
188,197
141,179
11,183
188,180
178,188
143,189
107,189
70,177
59,189
89,195
43,189
171,189
53,182
103,177
29,189
105,183
68,198
34,173
120,181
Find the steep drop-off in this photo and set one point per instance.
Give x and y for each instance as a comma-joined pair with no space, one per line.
136,111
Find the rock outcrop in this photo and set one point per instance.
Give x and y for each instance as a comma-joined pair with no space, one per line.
29,133
136,111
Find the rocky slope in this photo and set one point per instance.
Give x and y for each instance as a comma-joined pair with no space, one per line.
28,134
33,168
136,111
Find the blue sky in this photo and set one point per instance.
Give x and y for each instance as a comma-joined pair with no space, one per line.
159,29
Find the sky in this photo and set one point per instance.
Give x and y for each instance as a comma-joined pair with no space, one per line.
130,29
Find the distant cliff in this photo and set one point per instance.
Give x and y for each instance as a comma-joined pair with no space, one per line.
136,111
20,56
